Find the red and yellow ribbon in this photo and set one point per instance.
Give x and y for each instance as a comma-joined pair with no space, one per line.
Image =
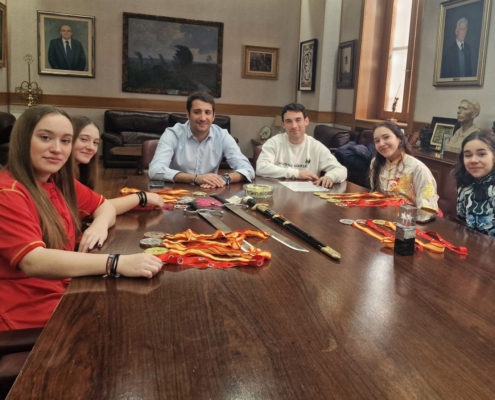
169,196
217,250
430,241
371,199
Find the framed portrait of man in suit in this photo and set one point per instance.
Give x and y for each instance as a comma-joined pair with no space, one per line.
461,42
66,44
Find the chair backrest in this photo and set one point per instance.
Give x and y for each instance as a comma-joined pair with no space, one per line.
331,137
6,124
366,137
148,152
256,154
448,202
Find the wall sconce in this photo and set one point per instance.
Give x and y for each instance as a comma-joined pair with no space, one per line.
29,91
278,123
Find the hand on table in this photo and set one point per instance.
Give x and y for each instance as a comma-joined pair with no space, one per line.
155,200
324,181
307,175
136,265
210,181
95,235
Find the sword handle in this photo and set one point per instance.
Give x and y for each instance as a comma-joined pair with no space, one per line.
193,205
249,201
219,198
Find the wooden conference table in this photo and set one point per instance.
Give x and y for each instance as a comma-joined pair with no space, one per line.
374,325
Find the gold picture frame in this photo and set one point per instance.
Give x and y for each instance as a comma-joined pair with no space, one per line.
3,35
260,62
53,58
462,35
438,134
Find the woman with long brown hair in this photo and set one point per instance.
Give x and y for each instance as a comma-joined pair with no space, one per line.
86,142
39,205
395,172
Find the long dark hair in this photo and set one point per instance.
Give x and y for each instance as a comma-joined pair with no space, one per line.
21,167
462,177
380,160
87,174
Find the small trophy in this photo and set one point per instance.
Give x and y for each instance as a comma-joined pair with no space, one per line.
405,234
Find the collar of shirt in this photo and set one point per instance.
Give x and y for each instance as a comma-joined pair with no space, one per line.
459,44
190,135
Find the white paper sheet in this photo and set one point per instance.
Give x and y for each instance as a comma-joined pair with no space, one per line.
303,186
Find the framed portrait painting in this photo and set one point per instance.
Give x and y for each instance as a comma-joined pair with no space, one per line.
345,65
260,62
307,65
66,44
462,42
176,56
3,35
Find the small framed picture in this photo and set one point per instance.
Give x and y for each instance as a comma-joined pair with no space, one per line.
447,137
66,44
260,62
307,65
437,139
345,65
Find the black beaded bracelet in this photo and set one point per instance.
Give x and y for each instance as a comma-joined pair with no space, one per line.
113,269
143,199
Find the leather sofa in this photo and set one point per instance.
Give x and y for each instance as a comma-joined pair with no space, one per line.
132,128
333,138
6,124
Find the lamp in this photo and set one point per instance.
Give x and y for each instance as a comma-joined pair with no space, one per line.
278,123
29,91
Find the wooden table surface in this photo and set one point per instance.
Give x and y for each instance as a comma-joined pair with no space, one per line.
373,326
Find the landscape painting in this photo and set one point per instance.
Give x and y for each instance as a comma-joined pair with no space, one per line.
175,56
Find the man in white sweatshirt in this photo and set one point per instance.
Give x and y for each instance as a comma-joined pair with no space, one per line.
295,155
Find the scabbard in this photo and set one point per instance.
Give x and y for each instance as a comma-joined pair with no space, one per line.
286,224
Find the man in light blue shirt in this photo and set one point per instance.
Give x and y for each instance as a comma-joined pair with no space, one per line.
192,152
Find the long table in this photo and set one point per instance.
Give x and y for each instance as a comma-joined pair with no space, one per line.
373,325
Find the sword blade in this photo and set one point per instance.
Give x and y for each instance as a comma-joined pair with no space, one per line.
216,223
260,225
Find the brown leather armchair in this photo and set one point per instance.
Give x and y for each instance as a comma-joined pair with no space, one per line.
448,202
6,124
331,137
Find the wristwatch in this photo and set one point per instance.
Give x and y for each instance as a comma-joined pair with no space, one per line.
226,178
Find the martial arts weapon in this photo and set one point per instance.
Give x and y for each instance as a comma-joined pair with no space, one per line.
216,223
291,227
260,225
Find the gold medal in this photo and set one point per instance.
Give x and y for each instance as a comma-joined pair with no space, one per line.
200,194
156,250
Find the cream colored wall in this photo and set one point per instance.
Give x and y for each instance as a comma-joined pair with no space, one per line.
443,101
273,23
349,30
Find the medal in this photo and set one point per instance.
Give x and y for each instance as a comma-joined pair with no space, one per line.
185,200
156,250
200,194
154,235
151,242
347,221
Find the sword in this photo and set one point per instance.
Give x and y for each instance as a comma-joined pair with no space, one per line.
216,223
260,225
291,227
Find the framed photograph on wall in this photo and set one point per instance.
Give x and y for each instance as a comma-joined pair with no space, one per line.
3,35
307,65
438,134
66,44
260,62
345,65
447,137
462,40
184,55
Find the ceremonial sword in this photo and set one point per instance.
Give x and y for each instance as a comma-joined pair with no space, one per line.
260,225
216,223
291,227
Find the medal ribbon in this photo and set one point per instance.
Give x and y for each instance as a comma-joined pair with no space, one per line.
217,250
169,196
372,199
436,244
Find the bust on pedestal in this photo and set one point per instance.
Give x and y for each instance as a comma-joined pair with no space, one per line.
467,111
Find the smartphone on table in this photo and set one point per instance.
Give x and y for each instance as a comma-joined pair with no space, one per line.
155,184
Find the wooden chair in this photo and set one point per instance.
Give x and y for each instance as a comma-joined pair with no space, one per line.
14,350
448,202
148,152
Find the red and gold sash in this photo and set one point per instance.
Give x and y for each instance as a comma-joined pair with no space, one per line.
430,240
372,199
217,250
